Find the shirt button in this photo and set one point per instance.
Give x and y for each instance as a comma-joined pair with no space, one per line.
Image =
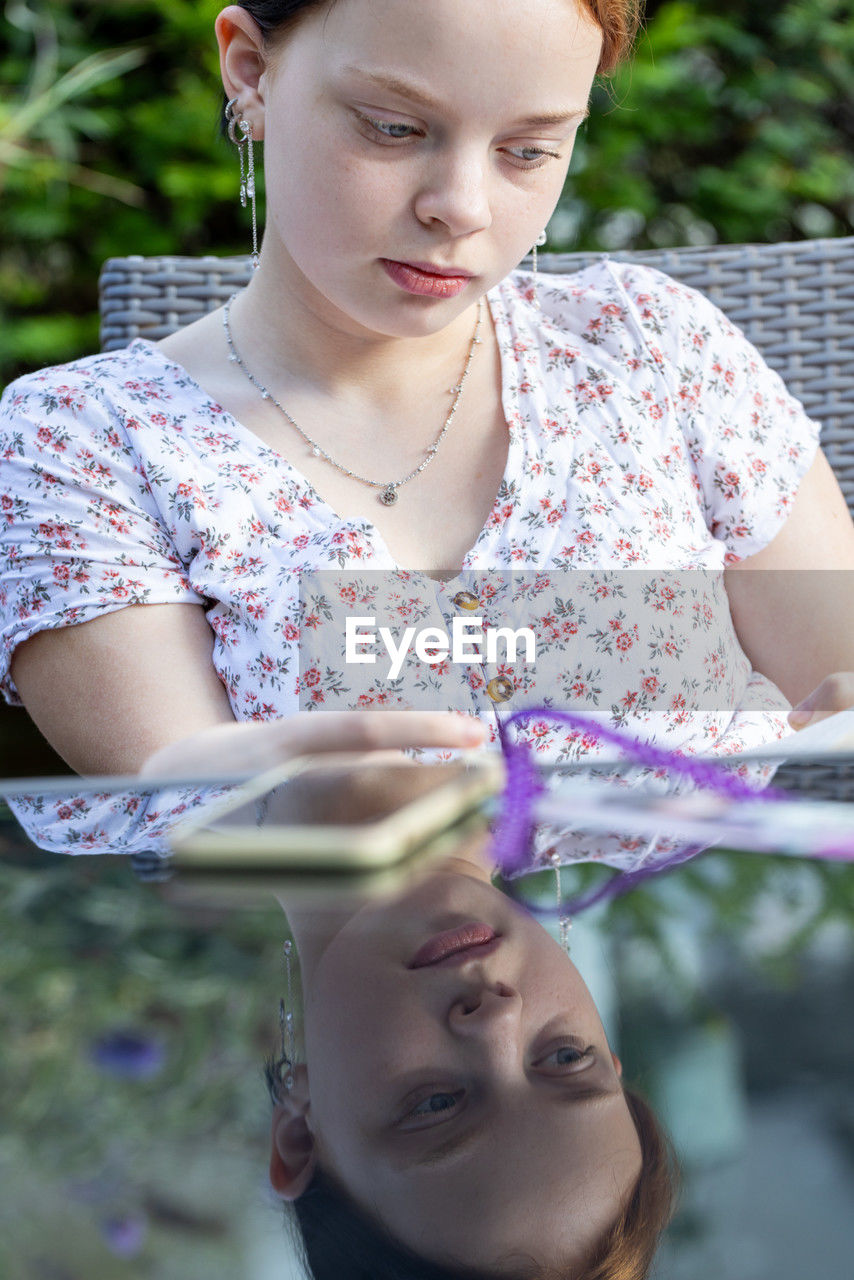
465,600
500,689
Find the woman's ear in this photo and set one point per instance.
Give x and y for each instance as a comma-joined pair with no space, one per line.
242,63
293,1155
618,1066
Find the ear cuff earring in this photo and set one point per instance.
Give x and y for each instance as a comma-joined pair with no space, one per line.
236,121
280,1070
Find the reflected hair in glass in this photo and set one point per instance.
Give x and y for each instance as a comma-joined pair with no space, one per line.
337,1240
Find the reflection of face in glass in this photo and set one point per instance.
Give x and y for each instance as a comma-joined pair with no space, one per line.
472,1107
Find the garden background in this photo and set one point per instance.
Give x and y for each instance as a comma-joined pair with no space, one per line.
134,1031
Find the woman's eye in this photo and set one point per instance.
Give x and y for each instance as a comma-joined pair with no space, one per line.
567,1058
533,157
436,1102
433,1109
393,129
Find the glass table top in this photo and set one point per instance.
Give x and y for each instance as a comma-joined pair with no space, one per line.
136,1018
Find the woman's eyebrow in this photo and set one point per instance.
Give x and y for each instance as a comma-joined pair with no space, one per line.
553,117
403,89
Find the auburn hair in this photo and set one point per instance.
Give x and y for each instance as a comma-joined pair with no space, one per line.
618,20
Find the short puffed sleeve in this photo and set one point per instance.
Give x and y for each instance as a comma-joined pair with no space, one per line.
80,530
749,441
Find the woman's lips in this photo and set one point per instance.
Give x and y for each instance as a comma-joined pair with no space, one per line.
456,945
414,279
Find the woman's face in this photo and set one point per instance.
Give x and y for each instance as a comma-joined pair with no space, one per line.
473,1106
402,132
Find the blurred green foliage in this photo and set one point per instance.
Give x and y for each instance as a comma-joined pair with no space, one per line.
728,896
87,950
733,123
121,156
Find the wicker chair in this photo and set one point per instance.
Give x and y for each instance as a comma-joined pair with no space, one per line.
795,302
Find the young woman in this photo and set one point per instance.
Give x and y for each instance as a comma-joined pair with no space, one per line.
413,154
385,393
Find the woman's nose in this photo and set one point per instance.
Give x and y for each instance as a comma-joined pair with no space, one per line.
484,1009
455,192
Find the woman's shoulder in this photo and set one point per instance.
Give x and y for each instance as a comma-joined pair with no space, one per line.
626,310
132,372
87,395
605,282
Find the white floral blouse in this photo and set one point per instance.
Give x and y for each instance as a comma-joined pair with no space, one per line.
649,446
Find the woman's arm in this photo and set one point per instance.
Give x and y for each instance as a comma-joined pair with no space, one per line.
793,602
136,691
109,692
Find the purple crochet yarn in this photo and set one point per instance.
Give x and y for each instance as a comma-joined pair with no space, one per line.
515,825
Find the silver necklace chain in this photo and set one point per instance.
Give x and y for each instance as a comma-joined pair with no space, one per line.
389,488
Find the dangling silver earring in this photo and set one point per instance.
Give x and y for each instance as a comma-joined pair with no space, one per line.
236,120
280,1070
541,240
564,921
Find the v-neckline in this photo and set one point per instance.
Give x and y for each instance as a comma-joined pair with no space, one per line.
509,408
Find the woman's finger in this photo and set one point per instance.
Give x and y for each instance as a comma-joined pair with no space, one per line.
835,693
308,732
253,746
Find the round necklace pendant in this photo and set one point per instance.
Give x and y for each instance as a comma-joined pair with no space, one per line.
388,493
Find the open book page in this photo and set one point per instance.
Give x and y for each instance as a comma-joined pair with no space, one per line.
833,736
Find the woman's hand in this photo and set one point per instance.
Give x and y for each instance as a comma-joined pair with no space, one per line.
835,693
793,602
252,746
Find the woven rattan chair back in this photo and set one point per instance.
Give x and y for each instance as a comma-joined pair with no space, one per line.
795,302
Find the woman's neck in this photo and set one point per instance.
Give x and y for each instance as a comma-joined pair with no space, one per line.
293,332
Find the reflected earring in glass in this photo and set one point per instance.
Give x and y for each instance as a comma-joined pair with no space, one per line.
280,1075
541,240
246,156
564,922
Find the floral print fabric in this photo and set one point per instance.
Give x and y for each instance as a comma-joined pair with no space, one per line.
645,434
